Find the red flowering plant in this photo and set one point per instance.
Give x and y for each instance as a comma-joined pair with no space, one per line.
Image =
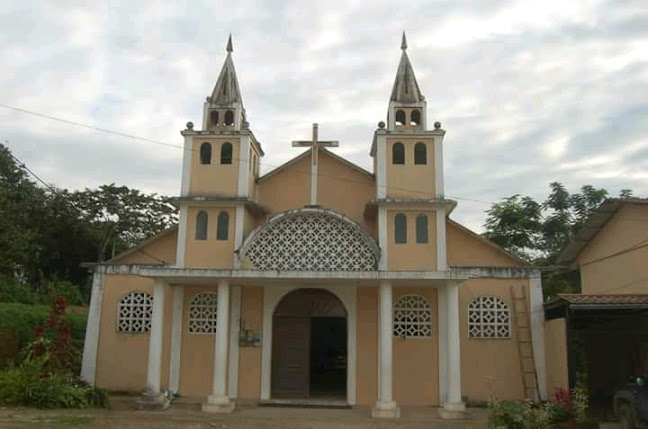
562,408
52,339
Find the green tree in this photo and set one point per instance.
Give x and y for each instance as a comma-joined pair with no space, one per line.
538,232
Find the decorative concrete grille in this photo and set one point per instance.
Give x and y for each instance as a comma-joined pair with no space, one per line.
489,317
412,317
135,311
202,313
311,240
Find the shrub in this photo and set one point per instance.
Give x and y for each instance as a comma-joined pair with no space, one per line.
29,384
17,322
12,291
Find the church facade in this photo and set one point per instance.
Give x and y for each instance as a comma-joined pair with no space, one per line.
318,281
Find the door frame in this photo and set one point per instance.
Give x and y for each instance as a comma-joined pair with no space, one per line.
272,295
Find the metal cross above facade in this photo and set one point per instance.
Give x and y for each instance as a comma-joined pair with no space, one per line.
314,144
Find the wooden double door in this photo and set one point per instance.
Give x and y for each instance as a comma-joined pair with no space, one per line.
295,343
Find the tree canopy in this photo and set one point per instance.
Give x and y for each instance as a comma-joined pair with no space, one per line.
45,232
539,231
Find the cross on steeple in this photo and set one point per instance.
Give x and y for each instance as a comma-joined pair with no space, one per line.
314,144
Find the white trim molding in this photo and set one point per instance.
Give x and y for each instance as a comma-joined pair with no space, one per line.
238,232
442,263
383,239
442,299
235,325
244,165
537,332
91,343
381,165
438,167
181,245
272,297
176,338
154,368
187,157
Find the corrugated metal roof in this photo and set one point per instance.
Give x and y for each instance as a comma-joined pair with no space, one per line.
592,227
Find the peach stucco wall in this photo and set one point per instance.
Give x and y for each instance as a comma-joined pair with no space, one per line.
162,248
122,358
466,249
416,368
556,355
340,187
367,350
489,366
215,178
250,357
410,180
197,352
411,255
625,272
210,253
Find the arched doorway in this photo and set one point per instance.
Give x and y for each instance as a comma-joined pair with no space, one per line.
309,346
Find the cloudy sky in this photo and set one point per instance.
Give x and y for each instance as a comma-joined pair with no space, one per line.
529,92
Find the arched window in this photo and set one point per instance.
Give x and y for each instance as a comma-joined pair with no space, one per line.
134,312
202,313
229,118
201,225
222,229
398,153
421,228
420,153
412,317
415,117
205,153
400,117
400,229
488,317
213,117
226,153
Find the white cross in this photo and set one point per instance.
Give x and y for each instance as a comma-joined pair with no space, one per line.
314,144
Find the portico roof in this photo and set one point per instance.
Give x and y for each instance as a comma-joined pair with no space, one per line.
209,276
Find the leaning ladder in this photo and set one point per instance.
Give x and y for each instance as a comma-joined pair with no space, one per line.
525,344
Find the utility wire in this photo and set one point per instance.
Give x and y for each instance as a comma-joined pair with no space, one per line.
177,146
72,203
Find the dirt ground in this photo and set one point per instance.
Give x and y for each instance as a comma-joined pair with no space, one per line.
188,416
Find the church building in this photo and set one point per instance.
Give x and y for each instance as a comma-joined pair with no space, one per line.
319,281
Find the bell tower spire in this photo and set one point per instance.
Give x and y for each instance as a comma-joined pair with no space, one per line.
407,106
224,108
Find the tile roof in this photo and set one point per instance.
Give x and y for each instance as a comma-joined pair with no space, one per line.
621,299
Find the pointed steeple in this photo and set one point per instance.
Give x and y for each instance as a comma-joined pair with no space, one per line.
406,89
227,91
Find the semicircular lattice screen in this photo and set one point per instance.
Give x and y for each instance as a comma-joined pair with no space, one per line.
311,241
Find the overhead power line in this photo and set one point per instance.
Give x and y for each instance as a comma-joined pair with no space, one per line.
181,147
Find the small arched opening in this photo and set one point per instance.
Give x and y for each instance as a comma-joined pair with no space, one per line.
226,153
415,117
400,117
229,118
309,346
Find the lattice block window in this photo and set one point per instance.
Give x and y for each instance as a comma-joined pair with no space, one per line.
311,241
412,317
202,313
489,317
134,313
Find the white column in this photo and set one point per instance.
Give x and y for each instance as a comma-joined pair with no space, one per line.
453,362
91,343
537,332
385,407
155,341
218,401
176,339
442,319
235,326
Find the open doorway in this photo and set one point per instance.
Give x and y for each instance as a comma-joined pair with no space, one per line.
328,357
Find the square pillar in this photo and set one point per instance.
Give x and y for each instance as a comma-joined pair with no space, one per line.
153,398
453,408
385,407
218,401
